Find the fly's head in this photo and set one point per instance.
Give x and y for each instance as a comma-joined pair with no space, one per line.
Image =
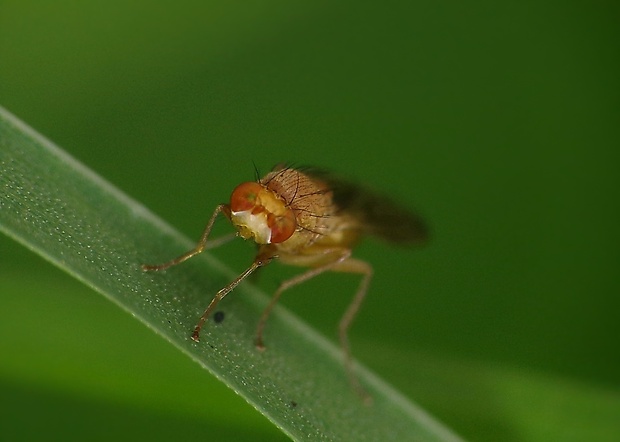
259,214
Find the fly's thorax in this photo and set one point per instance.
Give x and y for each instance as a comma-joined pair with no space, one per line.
309,198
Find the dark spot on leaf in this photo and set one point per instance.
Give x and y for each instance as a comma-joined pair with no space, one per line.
218,317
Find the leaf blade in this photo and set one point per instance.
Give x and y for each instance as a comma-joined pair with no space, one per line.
60,209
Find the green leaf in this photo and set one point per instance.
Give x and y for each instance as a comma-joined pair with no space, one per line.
75,219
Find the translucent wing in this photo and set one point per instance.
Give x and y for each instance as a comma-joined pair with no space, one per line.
378,214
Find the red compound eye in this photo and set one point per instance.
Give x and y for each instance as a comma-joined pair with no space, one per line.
244,196
282,227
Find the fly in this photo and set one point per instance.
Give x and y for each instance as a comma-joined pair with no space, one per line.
309,218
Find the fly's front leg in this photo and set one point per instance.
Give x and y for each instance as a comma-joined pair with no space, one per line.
200,247
258,262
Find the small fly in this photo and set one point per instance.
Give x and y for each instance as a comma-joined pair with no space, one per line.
310,218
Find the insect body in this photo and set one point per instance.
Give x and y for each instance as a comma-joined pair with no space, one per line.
308,218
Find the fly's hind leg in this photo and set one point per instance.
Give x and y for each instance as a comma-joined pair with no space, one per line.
342,263
340,256
365,269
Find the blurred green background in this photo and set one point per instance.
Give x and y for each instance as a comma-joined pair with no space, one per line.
499,122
